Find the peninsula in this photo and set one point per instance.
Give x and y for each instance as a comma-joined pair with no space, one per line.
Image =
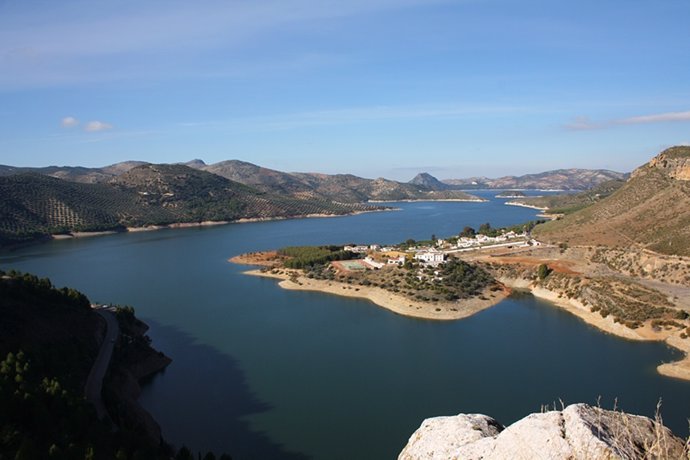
422,279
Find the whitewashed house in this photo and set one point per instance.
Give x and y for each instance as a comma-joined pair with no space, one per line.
430,256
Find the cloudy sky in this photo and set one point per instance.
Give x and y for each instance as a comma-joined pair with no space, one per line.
371,87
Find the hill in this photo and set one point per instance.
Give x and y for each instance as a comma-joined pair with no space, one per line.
651,210
75,173
560,179
34,205
428,181
264,179
49,339
353,189
342,188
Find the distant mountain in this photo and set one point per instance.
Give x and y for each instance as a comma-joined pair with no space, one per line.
560,179
428,181
651,210
570,202
35,205
343,188
75,173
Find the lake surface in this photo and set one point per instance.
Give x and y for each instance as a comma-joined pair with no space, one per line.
261,372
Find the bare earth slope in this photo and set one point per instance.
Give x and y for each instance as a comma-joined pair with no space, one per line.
651,211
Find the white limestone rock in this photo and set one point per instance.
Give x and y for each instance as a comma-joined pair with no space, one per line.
440,437
578,432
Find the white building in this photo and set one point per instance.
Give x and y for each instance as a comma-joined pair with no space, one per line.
430,256
396,260
373,263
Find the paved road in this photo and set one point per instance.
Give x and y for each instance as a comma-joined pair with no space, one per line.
94,383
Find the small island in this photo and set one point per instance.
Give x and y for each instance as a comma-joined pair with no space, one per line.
511,194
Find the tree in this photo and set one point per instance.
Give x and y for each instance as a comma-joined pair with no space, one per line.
468,232
543,271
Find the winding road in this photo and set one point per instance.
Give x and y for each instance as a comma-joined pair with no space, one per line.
94,382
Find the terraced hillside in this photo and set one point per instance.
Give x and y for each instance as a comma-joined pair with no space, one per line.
75,173
33,205
651,211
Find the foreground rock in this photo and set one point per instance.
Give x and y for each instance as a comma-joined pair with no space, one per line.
578,432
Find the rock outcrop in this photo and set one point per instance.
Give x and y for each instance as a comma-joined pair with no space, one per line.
578,432
675,162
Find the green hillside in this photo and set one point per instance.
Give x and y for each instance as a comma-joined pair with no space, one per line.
33,205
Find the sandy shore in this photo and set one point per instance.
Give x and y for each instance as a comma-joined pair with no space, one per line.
292,279
68,236
208,223
677,369
513,203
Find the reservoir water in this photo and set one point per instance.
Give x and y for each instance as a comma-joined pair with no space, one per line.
260,372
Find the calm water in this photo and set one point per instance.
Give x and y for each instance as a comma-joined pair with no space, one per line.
261,372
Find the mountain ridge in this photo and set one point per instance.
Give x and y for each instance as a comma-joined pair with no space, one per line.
557,179
35,206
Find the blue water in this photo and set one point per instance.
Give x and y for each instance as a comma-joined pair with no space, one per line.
261,372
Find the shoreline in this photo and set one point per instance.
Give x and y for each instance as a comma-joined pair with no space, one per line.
448,311
441,311
177,225
513,203
679,369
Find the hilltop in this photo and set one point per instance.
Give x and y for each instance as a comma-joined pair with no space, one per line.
35,206
75,173
650,211
428,181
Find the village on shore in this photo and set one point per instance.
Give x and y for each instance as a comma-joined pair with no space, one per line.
435,251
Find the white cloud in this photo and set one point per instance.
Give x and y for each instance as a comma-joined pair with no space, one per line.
584,123
655,118
95,126
69,122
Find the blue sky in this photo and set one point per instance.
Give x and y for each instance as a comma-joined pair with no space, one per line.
371,87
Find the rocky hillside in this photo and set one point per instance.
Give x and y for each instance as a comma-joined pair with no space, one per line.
560,179
33,205
578,432
651,211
